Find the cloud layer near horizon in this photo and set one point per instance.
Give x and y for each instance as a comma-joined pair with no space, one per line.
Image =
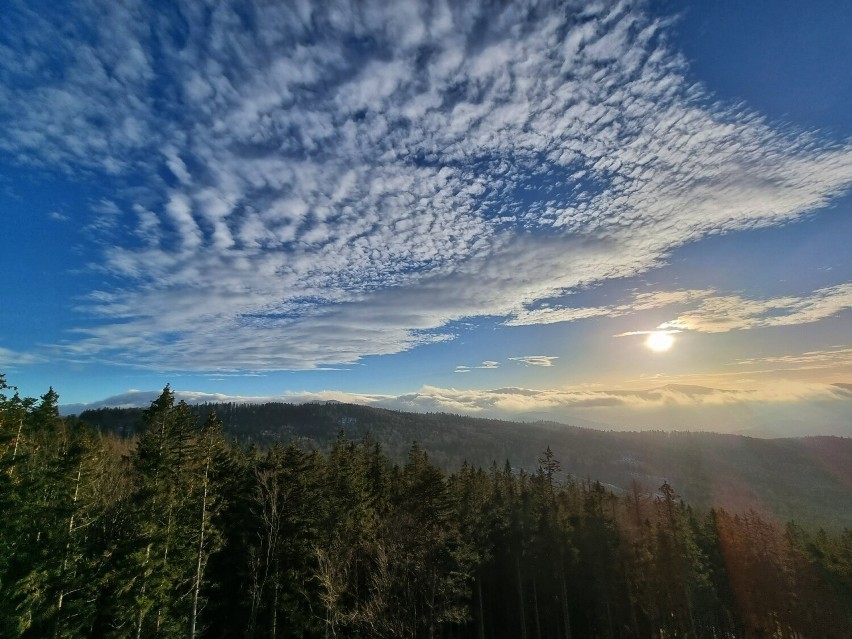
306,183
778,410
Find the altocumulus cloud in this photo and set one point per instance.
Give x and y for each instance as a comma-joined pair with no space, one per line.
719,314
710,312
307,183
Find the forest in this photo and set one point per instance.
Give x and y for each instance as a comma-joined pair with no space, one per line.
178,530
800,479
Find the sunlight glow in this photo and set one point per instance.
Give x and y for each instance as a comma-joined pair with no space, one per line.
659,342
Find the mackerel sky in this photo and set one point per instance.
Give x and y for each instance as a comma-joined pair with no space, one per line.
468,206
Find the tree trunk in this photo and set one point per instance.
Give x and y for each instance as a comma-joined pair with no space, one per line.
689,609
481,614
632,600
160,447
199,562
275,604
521,599
566,618
70,531
535,610
165,561
432,607
142,593
15,449
267,497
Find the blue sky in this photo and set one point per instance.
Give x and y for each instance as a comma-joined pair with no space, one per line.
439,207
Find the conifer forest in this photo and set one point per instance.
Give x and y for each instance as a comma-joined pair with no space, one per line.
179,531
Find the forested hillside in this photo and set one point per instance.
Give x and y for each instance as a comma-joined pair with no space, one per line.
808,479
180,533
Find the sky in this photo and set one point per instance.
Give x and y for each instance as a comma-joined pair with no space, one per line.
473,207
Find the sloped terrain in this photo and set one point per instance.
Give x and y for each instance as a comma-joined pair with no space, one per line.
803,479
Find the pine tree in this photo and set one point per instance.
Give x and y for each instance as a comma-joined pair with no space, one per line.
161,561
209,449
229,570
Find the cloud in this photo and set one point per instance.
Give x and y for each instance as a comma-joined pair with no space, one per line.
655,332
486,365
520,400
535,360
785,408
835,358
713,313
12,359
640,302
142,399
303,185
720,314
782,409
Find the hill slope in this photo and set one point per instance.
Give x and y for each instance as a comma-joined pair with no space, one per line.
807,479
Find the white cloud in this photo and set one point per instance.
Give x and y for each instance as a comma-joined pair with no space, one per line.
535,360
669,331
782,409
142,399
12,359
486,365
836,358
640,302
331,202
720,314
525,399
785,408
713,313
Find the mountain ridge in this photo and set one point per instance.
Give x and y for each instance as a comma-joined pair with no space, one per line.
805,478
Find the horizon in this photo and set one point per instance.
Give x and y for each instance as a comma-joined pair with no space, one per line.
535,210
666,408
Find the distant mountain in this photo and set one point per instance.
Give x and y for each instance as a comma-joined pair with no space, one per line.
789,410
806,479
556,420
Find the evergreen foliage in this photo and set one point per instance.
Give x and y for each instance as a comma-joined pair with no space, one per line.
182,533
790,479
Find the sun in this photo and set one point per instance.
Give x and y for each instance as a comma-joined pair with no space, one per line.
659,341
